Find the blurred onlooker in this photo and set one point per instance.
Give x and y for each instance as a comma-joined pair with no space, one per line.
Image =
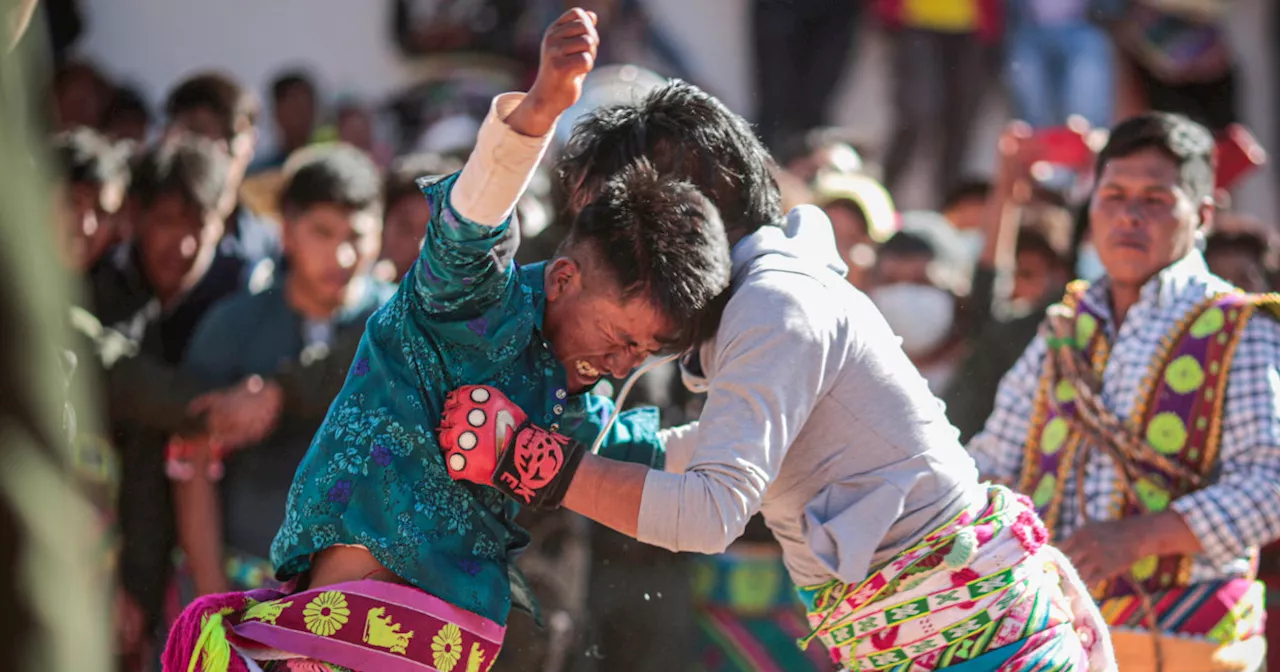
801,50
406,212
1041,271
355,126
214,106
94,175
1242,251
80,96
127,116
1023,266
1180,59
915,284
294,108
1059,63
941,50
331,208
965,205
862,216
820,151
154,290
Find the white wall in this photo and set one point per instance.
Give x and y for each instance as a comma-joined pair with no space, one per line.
155,42
347,43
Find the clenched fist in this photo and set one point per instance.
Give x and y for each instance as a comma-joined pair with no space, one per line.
487,439
568,54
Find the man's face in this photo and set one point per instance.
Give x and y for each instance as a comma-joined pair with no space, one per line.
967,214
128,127
327,246
904,269
1141,218
356,129
295,113
593,331
1035,276
86,222
849,227
1239,268
176,239
80,102
403,230
205,123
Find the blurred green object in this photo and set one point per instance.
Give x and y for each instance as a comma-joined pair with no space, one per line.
52,593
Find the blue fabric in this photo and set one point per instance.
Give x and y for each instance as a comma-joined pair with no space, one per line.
1058,71
257,480
989,661
374,475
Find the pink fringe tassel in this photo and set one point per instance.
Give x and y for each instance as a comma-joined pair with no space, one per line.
185,634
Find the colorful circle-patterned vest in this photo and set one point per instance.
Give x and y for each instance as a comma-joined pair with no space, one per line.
1178,414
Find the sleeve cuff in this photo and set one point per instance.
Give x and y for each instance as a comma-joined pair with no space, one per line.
660,511
499,168
1216,532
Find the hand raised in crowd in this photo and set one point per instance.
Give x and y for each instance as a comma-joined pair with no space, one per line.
568,54
240,415
1013,168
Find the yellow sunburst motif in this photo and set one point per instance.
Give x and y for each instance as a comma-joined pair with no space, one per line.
446,648
327,613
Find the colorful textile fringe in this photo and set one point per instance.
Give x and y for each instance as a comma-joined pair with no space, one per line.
361,625
1219,611
976,585
1206,627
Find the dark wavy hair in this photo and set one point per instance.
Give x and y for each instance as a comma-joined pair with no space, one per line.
686,134
661,239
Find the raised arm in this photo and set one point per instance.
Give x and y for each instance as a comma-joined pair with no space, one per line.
462,270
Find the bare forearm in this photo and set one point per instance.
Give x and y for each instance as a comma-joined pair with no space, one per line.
532,117
199,519
608,492
1166,533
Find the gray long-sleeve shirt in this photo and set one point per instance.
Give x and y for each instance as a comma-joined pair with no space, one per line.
814,417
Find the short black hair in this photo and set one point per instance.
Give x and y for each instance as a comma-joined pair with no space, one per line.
291,79
687,135
73,70
235,106
908,244
84,156
967,189
1186,143
661,238
402,176
186,166
335,174
1255,244
126,102
1034,241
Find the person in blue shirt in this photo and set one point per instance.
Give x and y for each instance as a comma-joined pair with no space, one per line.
372,508
332,220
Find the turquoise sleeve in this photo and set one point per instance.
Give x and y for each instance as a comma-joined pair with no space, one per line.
633,438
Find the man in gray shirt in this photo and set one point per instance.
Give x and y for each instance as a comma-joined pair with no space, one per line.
816,419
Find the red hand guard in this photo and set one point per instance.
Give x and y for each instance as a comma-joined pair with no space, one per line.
479,423
487,439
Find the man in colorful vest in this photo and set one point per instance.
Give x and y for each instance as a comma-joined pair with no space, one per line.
1144,419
